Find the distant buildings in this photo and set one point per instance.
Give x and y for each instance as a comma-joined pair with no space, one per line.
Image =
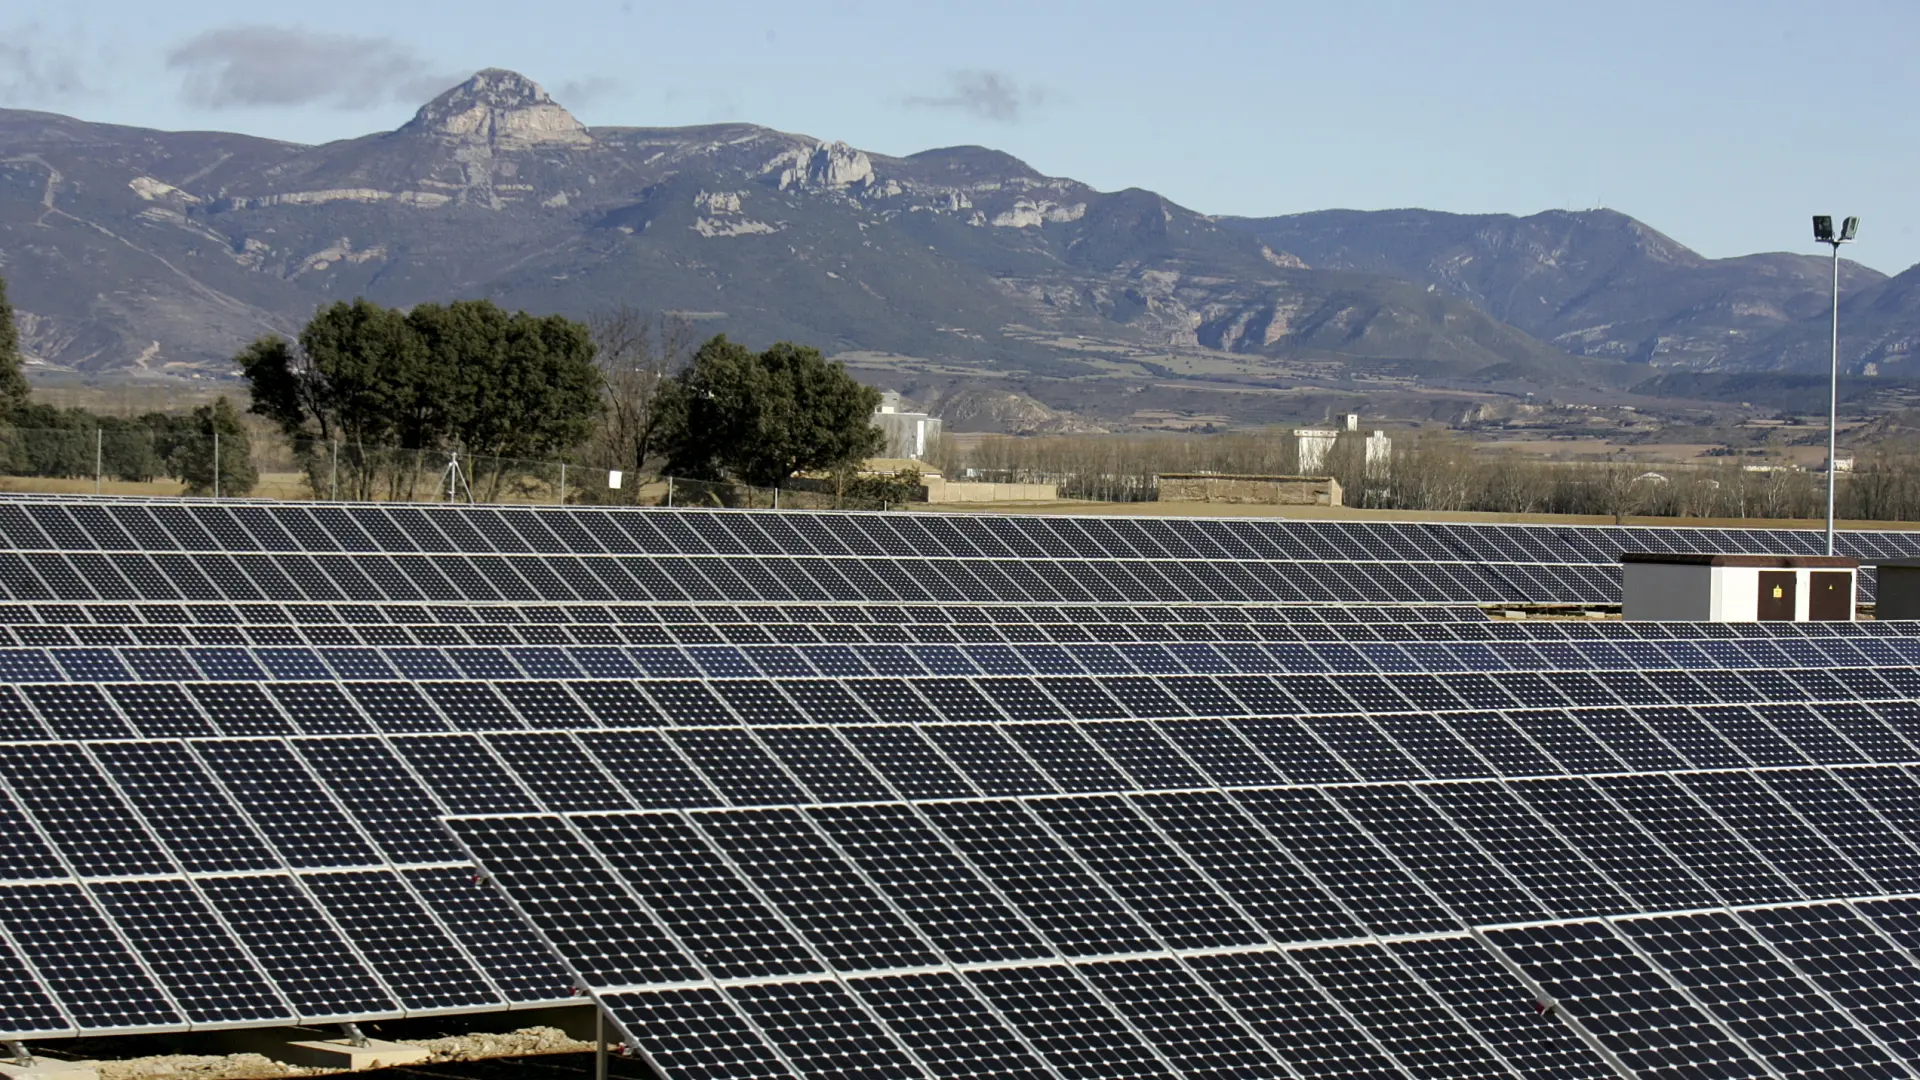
910,435
1314,443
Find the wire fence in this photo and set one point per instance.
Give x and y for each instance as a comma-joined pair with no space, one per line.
136,460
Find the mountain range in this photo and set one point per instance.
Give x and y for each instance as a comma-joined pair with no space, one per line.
136,254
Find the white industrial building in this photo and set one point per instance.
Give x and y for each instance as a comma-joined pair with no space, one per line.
1313,445
910,435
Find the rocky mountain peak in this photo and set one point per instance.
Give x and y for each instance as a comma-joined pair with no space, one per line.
830,165
502,107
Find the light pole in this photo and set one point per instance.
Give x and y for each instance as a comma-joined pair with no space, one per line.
1823,233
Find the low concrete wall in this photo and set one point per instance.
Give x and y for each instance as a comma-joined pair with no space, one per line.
1267,490
940,490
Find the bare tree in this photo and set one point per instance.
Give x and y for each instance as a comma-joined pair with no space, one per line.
1884,484
1435,471
636,353
1514,486
1622,488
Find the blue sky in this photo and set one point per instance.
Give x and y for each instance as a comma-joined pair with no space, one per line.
1724,124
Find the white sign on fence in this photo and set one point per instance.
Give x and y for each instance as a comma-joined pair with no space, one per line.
613,479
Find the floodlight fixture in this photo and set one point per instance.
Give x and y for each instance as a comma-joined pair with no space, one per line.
1823,233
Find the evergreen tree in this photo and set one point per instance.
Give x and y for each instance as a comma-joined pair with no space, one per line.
762,417
196,463
13,375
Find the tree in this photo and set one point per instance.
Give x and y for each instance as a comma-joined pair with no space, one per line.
216,455
526,386
636,354
13,376
363,381
762,417
1435,471
359,375
888,489
349,384
1623,488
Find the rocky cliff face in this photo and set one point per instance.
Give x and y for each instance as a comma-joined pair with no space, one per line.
502,108
833,166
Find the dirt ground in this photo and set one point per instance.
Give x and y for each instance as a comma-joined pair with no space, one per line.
479,1056
577,1066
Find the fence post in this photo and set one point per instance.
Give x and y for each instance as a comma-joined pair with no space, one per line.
99,458
563,483
776,498
216,464
333,488
669,491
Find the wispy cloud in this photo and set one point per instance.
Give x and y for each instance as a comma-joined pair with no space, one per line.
989,95
33,72
255,66
580,93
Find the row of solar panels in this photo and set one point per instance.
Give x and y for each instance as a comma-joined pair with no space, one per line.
405,624
1559,661
124,525
164,807
1201,893
1396,858
112,614
52,632
1038,647
673,579
862,739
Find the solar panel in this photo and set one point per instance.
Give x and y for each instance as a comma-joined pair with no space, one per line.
1182,1017
1597,981
1761,999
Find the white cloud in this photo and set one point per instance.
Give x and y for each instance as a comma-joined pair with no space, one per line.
253,66
33,72
989,95
580,93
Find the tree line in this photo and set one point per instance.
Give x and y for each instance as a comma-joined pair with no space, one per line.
383,392
205,448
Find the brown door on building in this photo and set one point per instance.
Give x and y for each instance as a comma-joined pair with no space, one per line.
1832,596
1777,595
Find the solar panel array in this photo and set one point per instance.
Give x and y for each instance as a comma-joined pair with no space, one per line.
893,833
181,550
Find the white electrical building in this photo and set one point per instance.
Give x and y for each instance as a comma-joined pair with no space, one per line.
1679,587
